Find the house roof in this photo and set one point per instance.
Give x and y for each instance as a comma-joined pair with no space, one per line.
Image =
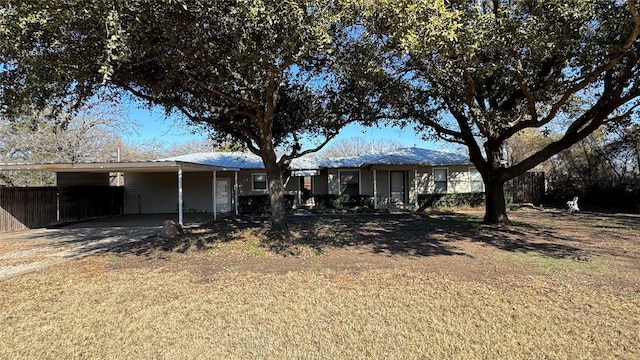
400,156
234,161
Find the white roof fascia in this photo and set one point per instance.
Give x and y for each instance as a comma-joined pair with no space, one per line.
114,167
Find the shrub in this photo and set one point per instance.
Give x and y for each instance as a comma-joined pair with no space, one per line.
612,198
341,201
259,204
451,200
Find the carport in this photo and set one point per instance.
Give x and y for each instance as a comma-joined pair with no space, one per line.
84,171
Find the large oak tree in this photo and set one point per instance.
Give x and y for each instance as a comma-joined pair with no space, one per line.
478,72
251,70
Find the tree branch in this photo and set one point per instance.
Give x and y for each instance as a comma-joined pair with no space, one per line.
531,103
590,78
286,158
227,125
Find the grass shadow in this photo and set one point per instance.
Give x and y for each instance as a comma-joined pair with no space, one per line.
407,234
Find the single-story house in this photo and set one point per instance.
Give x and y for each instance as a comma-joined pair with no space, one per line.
212,182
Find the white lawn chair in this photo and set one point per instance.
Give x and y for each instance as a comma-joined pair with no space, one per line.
572,205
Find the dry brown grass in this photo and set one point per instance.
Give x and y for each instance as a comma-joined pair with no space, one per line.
366,287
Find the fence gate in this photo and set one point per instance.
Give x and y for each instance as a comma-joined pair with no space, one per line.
528,188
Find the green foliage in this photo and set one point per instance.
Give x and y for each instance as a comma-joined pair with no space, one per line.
341,201
237,66
256,70
478,73
451,200
253,204
259,204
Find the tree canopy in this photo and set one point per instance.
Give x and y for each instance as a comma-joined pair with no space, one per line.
479,72
249,69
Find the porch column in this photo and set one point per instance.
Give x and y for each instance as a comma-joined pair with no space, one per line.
235,190
180,216
375,189
215,197
415,187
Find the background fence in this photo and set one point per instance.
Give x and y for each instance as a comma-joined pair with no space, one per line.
528,188
27,208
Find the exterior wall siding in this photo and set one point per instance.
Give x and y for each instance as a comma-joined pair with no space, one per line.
320,183
82,179
424,181
382,182
366,181
459,179
148,193
292,184
158,192
197,194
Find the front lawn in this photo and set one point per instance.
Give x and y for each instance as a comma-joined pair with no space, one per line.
407,286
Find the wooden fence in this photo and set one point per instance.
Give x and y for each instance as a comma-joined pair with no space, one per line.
528,188
33,207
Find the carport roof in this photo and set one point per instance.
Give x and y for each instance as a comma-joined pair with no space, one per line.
137,166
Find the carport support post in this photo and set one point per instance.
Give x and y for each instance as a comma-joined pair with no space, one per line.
375,189
415,186
180,216
235,190
215,197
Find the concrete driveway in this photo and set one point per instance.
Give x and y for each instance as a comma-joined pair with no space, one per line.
26,251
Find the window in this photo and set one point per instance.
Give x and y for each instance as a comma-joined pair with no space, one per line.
350,182
259,182
475,180
306,183
440,181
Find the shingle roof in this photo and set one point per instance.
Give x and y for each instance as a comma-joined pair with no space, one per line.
400,156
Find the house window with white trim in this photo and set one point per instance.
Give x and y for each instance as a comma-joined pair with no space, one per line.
350,182
475,180
440,177
259,182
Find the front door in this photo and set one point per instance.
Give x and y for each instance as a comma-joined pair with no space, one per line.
223,195
397,186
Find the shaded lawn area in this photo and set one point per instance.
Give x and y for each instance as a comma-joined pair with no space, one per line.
397,286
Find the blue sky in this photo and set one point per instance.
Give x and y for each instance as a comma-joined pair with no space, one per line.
153,125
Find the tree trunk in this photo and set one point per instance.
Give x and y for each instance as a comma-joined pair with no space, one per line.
495,209
275,188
